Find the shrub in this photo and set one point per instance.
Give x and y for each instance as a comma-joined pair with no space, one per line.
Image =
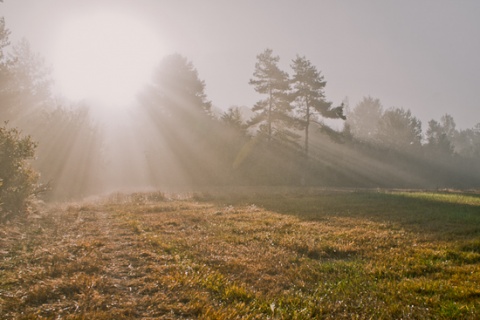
17,178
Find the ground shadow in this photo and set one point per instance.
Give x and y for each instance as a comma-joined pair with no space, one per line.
439,214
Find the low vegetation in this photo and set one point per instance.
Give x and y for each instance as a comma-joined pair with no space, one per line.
17,178
250,254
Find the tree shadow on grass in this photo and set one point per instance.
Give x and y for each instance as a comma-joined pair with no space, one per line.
438,214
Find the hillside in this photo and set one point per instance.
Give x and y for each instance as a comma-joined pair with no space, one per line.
250,254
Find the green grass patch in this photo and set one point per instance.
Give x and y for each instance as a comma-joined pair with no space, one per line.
254,254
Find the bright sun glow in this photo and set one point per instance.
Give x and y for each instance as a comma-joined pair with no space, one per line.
105,57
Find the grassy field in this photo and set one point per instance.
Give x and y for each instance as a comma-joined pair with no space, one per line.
248,254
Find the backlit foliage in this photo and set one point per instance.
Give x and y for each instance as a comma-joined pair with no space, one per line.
17,179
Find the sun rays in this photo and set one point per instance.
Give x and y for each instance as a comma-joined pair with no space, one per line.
105,57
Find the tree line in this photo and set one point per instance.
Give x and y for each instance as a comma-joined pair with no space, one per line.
44,140
283,139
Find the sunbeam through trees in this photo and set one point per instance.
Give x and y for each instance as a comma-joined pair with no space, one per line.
173,137
247,160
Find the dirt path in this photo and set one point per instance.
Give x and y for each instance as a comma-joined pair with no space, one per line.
147,256
81,262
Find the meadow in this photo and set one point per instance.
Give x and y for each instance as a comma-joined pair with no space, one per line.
246,254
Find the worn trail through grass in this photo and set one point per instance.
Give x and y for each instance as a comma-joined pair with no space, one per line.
77,261
322,254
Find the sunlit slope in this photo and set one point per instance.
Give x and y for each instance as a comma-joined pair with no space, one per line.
258,253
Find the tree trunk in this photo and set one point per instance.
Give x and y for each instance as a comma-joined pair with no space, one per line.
306,128
270,114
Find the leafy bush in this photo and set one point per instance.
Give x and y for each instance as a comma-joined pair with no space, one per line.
17,178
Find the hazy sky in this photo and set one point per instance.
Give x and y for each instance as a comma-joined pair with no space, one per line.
420,55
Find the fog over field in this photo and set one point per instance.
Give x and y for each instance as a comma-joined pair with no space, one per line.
214,159
121,95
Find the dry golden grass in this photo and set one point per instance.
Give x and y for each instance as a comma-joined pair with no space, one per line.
282,254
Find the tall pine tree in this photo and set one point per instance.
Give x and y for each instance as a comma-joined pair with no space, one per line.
272,114
309,97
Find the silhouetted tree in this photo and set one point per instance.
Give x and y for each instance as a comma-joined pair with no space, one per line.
440,135
178,88
27,89
187,141
364,119
400,130
309,97
272,114
69,144
4,38
467,142
4,71
234,119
